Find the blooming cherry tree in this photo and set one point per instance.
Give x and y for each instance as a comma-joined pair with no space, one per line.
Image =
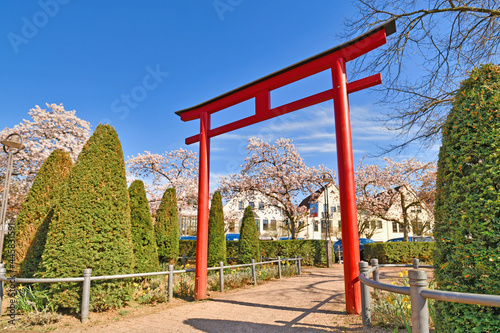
278,172
177,169
49,129
395,192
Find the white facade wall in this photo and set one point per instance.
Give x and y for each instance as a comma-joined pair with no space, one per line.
268,219
387,229
317,226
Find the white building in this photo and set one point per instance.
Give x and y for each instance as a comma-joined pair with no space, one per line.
319,204
269,219
420,217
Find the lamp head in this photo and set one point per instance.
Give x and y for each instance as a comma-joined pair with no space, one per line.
13,143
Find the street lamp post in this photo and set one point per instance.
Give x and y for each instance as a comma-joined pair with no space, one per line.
327,179
11,146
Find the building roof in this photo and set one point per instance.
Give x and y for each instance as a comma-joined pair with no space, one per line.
314,196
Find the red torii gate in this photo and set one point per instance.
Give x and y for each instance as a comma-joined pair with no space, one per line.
260,89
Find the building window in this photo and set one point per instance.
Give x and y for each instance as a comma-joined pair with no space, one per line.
265,224
395,227
333,209
338,209
232,226
261,205
379,224
257,222
316,225
273,224
252,204
240,205
324,224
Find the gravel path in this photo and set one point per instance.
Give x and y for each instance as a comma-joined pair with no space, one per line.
312,302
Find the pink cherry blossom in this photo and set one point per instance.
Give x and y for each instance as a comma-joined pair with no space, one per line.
391,192
48,129
177,169
278,172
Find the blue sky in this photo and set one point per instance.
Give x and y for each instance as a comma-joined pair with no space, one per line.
133,63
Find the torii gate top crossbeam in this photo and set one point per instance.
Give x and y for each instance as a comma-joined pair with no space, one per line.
260,89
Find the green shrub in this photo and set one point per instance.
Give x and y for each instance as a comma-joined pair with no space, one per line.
143,237
36,212
400,252
249,240
187,247
91,227
312,251
167,227
232,248
467,228
216,236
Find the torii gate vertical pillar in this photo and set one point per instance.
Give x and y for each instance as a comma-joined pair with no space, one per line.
350,240
200,289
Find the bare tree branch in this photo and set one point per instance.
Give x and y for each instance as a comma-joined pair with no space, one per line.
440,41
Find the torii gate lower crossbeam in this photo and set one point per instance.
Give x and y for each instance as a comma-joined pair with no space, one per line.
334,59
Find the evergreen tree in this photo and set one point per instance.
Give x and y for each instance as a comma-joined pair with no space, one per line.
216,235
33,220
167,227
249,239
143,237
91,227
467,228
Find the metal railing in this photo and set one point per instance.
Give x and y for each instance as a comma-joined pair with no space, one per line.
87,278
417,291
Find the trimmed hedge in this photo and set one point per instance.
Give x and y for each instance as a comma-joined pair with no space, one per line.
216,236
167,227
36,212
249,239
313,252
143,235
467,227
91,227
400,252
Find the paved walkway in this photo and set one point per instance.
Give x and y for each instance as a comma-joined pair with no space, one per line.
312,302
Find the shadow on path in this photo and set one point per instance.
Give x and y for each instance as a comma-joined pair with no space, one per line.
306,311
216,325
294,325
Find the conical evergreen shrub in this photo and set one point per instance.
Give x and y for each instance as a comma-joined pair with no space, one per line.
36,212
143,237
167,227
467,228
249,239
216,235
91,227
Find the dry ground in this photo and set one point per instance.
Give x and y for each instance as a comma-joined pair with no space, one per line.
313,302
